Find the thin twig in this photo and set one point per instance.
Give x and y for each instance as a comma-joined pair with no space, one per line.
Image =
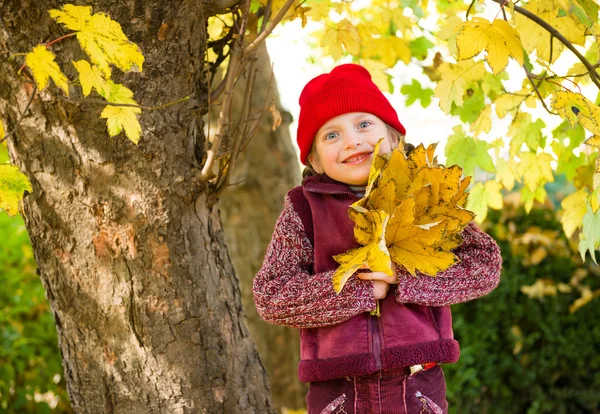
263,35
22,114
222,124
103,102
469,9
593,75
537,91
240,134
266,15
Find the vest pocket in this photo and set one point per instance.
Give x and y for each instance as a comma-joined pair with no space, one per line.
335,404
427,405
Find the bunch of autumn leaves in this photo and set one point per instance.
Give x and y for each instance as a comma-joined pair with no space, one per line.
412,214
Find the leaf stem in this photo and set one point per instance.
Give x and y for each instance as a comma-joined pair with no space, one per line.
59,39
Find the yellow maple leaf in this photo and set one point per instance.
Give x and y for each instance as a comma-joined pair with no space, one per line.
482,197
510,102
573,211
13,184
483,123
507,172
421,206
373,255
498,38
119,118
415,246
455,77
576,108
536,38
535,169
594,141
346,35
450,28
101,38
43,67
90,77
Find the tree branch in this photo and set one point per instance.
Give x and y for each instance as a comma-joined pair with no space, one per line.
263,35
103,102
537,91
593,75
235,61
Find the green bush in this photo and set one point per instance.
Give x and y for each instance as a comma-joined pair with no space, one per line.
31,375
522,354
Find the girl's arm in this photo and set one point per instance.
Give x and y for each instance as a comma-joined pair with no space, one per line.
285,291
476,275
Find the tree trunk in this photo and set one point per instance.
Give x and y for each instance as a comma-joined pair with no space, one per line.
263,174
128,242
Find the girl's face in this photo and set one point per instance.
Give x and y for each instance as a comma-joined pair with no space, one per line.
344,145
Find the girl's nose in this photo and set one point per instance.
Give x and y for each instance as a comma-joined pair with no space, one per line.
353,140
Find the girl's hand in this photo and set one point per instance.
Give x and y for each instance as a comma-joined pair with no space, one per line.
381,282
380,289
375,276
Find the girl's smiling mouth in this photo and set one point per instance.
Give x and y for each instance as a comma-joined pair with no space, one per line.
356,158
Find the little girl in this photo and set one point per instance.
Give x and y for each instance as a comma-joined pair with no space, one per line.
356,362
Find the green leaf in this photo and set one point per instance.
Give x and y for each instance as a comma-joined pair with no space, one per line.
415,91
419,47
467,152
482,196
472,106
590,236
528,197
13,184
523,131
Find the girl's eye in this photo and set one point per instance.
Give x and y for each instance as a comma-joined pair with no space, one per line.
364,124
331,135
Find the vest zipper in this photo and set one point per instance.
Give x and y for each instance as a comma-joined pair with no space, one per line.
376,341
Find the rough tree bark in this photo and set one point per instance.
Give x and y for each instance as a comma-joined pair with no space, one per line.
128,242
264,173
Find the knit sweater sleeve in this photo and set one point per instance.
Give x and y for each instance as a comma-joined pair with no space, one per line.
477,274
286,292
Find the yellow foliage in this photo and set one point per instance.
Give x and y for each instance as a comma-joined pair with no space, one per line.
43,67
576,108
369,230
89,77
13,183
101,38
535,169
536,38
346,35
416,207
499,39
455,78
541,288
573,211
119,118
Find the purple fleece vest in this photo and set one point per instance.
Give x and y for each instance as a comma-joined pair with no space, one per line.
404,335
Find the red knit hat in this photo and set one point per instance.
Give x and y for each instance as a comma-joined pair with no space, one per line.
348,88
